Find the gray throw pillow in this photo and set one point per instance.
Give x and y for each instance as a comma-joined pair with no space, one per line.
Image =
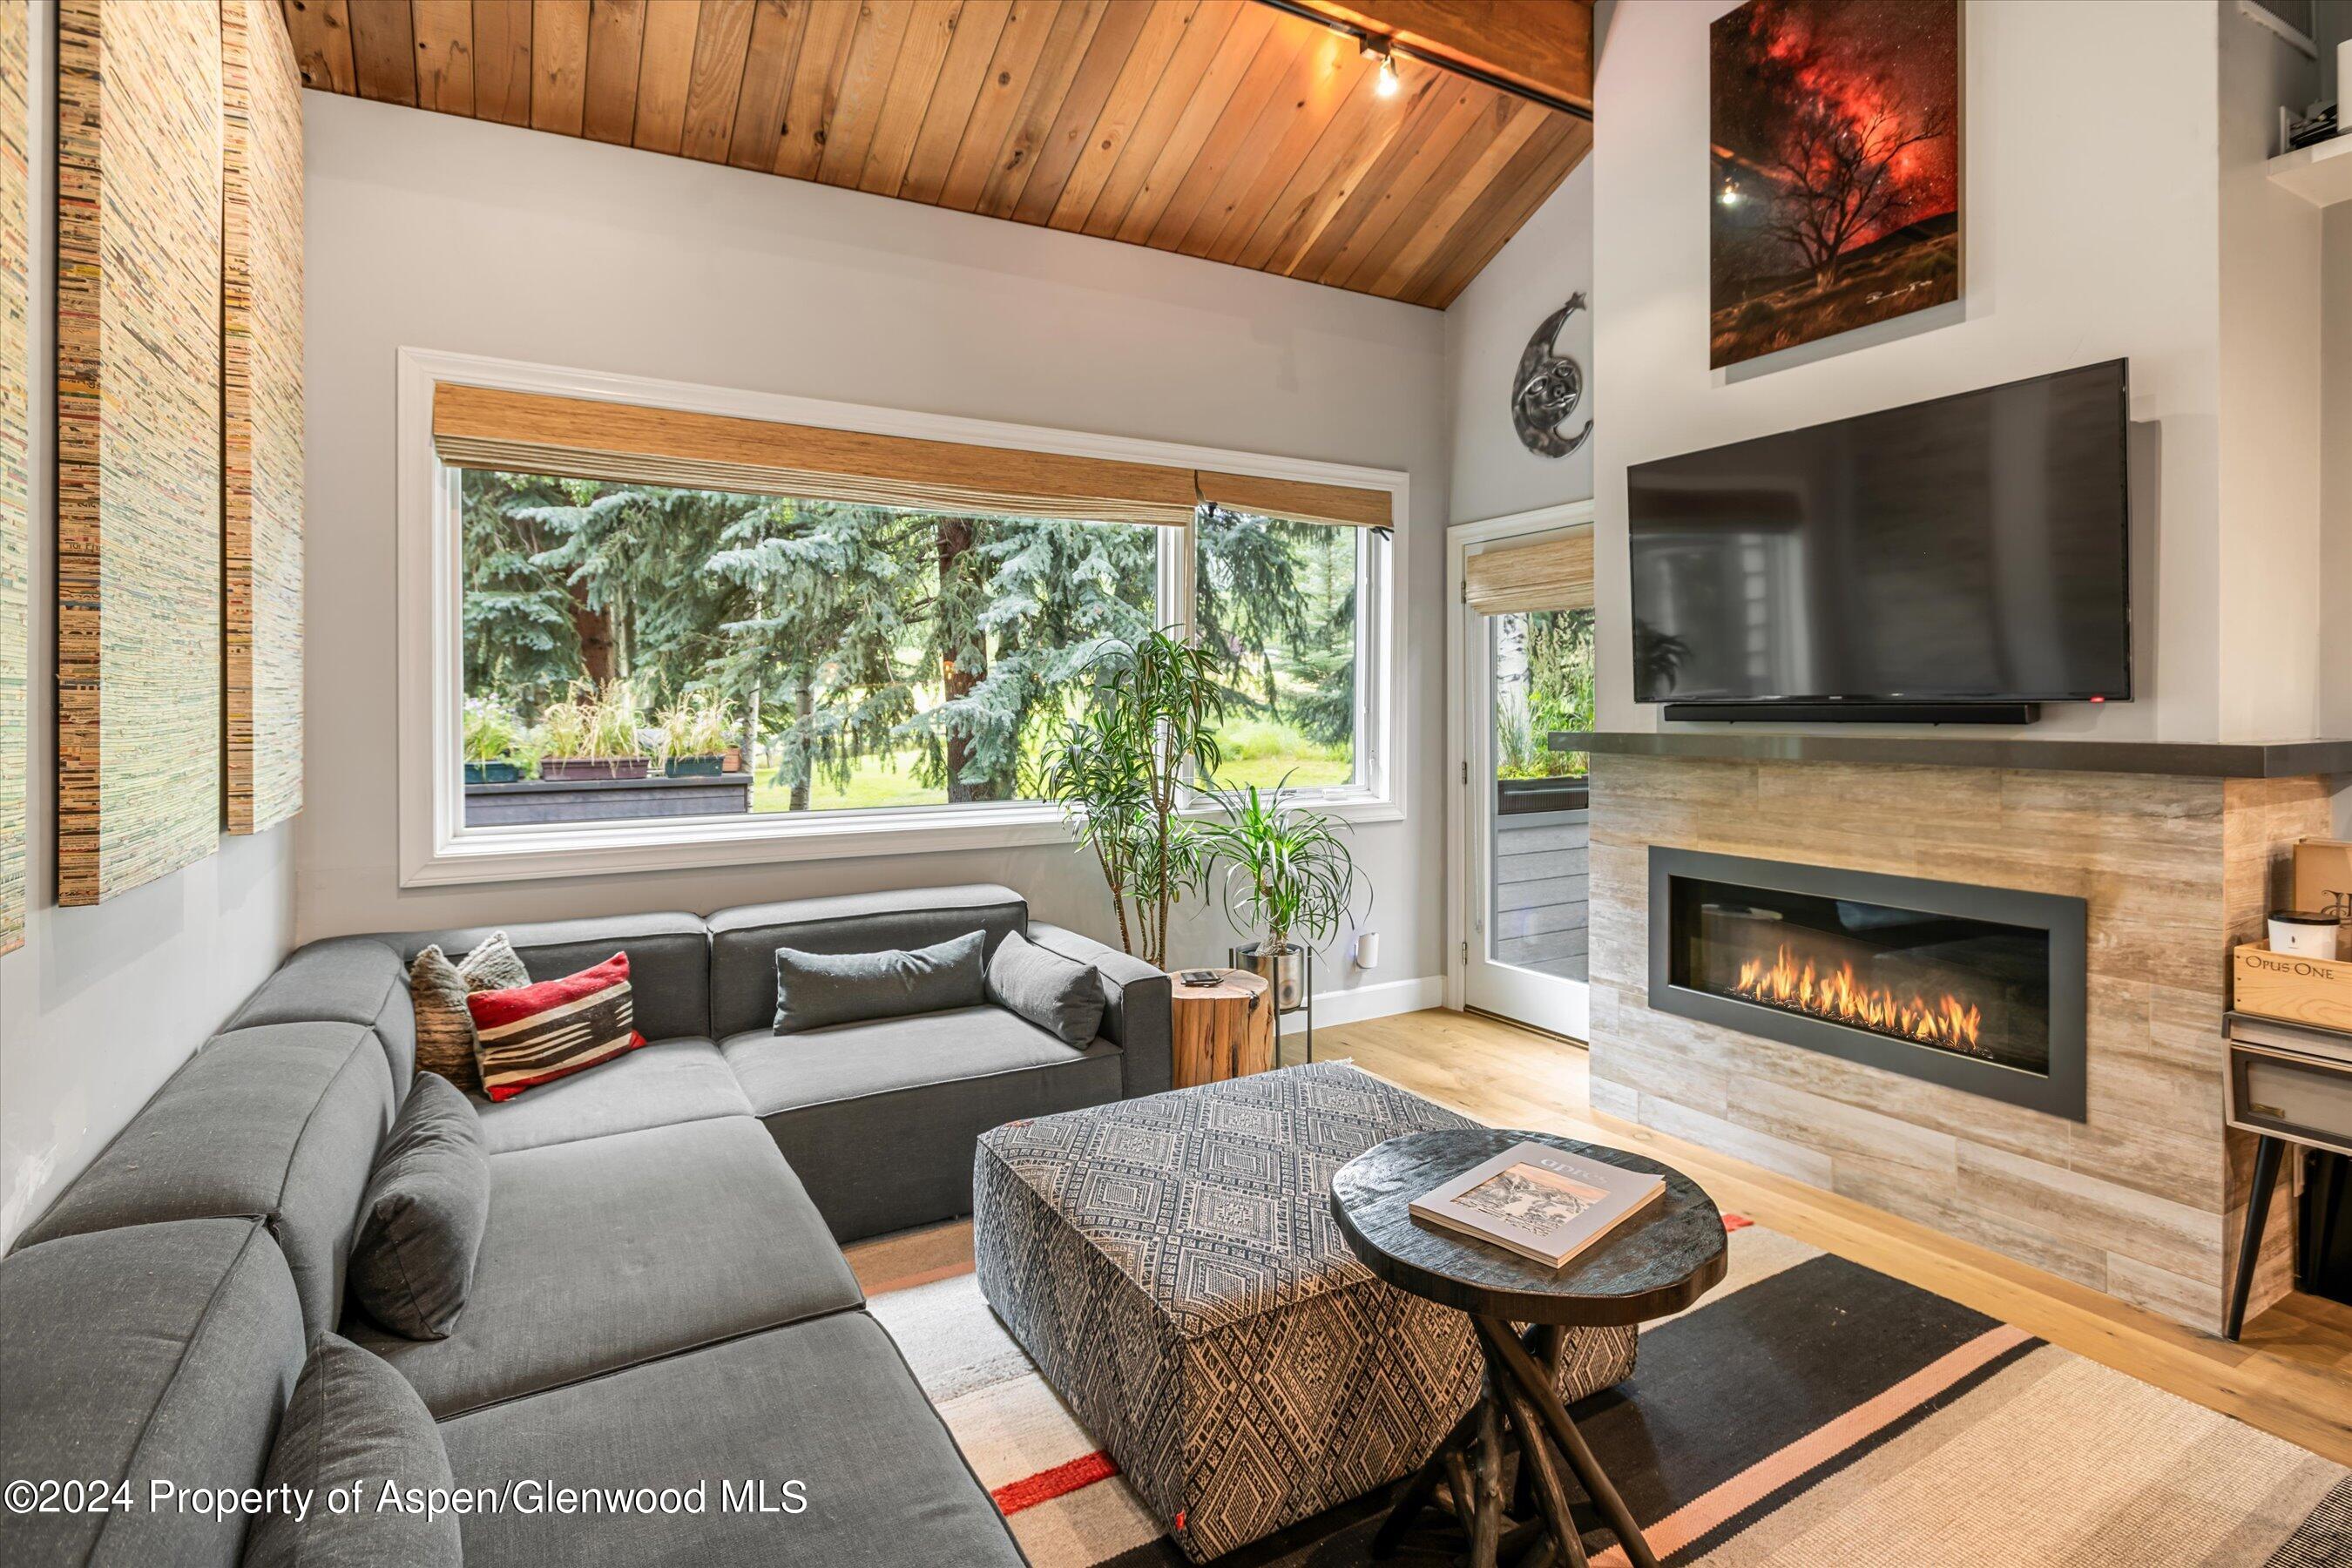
422,1218
813,989
355,1423
1060,996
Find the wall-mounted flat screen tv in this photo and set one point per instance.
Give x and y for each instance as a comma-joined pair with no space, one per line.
1974,549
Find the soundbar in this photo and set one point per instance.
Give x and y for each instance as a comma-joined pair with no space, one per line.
1854,712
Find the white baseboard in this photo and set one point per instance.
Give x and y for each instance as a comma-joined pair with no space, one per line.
1356,1003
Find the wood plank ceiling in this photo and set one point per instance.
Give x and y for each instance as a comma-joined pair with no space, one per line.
1221,128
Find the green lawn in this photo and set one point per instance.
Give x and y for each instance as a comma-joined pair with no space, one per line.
1256,753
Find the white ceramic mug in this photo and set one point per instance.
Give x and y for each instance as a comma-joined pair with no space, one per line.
2300,935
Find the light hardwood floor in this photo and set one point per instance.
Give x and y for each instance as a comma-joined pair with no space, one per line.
2292,1376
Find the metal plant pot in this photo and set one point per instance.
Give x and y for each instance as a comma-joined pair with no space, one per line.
708,766
1285,968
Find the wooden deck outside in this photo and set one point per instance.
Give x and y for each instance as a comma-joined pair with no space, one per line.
1540,917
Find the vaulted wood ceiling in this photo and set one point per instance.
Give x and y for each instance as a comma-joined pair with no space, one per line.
1223,129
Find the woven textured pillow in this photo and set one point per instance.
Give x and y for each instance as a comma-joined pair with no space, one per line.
537,1034
444,1030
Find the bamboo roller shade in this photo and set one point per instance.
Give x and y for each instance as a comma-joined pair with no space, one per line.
1554,573
584,438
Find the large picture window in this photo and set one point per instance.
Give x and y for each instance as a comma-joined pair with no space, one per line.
826,656
777,643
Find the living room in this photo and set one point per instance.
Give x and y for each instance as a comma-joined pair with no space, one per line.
1175,781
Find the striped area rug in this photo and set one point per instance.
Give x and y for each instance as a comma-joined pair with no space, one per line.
1808,1411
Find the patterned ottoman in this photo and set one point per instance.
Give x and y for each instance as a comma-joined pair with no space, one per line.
1171,1266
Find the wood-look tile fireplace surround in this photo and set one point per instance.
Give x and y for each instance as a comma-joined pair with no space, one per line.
2124,1180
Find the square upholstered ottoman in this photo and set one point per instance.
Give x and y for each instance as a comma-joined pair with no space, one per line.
1171,1266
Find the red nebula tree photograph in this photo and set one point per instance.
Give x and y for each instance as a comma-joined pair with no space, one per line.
1836,159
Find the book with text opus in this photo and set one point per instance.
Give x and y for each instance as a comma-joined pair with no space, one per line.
1540,1202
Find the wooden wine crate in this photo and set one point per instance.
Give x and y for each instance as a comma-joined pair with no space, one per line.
2317,990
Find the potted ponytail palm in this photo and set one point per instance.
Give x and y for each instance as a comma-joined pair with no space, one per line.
1288,876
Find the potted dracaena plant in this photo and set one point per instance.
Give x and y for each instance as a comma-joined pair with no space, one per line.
1119,774
1289,880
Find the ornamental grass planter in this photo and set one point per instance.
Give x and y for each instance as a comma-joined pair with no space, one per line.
492,773
703,767
568,769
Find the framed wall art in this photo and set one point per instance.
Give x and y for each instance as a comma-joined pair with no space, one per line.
1835,150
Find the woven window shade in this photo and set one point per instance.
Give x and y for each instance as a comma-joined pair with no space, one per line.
1554,573
584,438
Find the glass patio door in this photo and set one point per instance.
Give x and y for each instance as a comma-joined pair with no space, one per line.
1528,667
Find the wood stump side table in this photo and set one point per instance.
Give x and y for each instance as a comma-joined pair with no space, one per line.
1220,1031
1653,1265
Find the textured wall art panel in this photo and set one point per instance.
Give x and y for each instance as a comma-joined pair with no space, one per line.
15,388
138,432
261,282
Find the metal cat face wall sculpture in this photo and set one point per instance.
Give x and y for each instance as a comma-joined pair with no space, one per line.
1547,388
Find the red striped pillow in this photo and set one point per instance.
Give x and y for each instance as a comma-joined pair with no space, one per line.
535,1033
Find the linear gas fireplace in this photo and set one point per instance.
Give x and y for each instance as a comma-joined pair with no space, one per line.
1976,988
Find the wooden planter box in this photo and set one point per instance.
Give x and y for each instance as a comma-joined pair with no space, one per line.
2315,991
574,768
1521,797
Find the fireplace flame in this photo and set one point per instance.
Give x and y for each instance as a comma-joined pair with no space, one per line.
1802,987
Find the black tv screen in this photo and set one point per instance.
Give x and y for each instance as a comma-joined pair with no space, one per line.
1974,548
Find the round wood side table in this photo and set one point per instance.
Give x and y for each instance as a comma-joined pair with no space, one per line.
1651,1265
1220,1031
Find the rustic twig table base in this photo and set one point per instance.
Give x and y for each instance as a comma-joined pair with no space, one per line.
1658,1263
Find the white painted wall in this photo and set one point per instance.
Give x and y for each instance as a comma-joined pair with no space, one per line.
2335,487
2272,657
100,1004
1486,328
443,233
2090,212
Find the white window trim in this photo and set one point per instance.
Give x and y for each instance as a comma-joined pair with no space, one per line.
437,849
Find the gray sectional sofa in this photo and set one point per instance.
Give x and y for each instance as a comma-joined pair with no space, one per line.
659,1297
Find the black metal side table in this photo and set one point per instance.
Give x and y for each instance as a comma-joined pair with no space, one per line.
1656,1265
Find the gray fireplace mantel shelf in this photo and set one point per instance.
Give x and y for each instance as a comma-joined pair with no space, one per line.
2275,759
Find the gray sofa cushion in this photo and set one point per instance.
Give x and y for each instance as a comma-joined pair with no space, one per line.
342,980
354,1424
885,1484
280,1121
1136,1013
1060,996
654,1085
669,960
744,942
609,1251
422,1218
880,1119
817,989
152,1352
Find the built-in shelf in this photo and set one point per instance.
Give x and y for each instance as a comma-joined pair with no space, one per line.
2292,759
2320,174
